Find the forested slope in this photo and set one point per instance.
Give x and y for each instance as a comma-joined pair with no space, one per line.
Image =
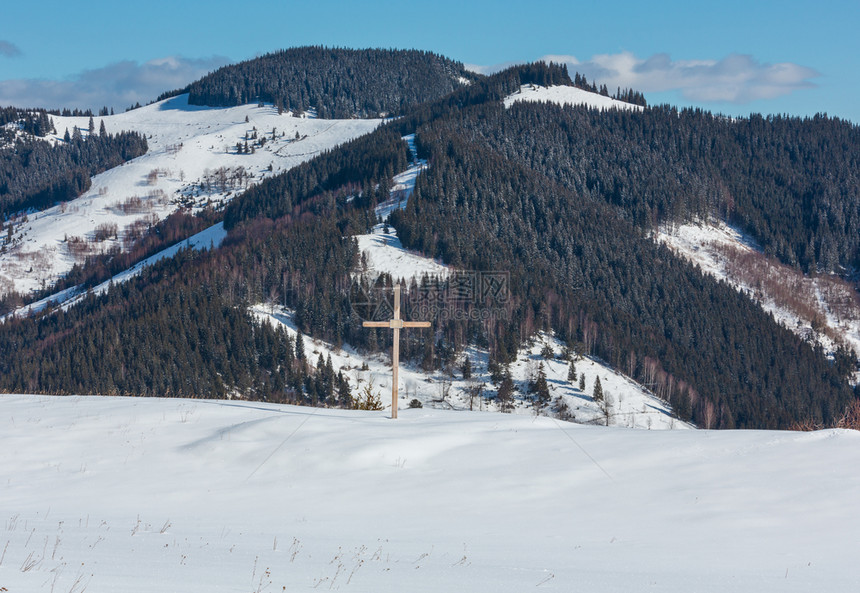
790,182
34,122
339,83
581,268
36,174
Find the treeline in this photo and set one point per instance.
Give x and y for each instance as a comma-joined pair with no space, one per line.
626,95
182,329
34,122
164,334
35,174
339,83
151,237
576,266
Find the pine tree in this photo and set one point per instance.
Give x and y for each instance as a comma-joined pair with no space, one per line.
547,352
582,382
597,395
495,370
320,381
542,396
369,399
102,129
505,394
329,378
300,346
571,372
466,368
344,397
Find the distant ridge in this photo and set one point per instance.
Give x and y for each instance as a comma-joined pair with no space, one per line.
339,83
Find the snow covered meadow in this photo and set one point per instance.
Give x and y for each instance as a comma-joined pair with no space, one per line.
192,160
120,495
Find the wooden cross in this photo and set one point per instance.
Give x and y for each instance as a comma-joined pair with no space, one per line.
396,323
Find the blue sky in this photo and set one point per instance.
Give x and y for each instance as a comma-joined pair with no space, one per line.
733,57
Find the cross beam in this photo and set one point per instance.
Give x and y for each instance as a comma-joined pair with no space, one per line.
395,324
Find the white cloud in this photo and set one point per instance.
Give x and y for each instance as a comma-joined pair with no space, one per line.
8,49
737,78
116,85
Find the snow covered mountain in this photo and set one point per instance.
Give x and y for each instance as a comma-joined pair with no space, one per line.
593,492
502,171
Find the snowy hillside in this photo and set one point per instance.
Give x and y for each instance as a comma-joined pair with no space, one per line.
566,95
122,495
821,309
193,159
381,249
209,238
626,403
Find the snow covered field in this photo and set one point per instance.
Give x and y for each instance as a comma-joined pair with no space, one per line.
122,495
192,159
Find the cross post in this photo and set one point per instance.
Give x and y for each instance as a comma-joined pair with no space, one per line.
395,324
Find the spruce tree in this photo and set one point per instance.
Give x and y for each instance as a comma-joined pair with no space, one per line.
547,352
466,368
300,346
505,394
597,395
542,396
344,397
571,372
